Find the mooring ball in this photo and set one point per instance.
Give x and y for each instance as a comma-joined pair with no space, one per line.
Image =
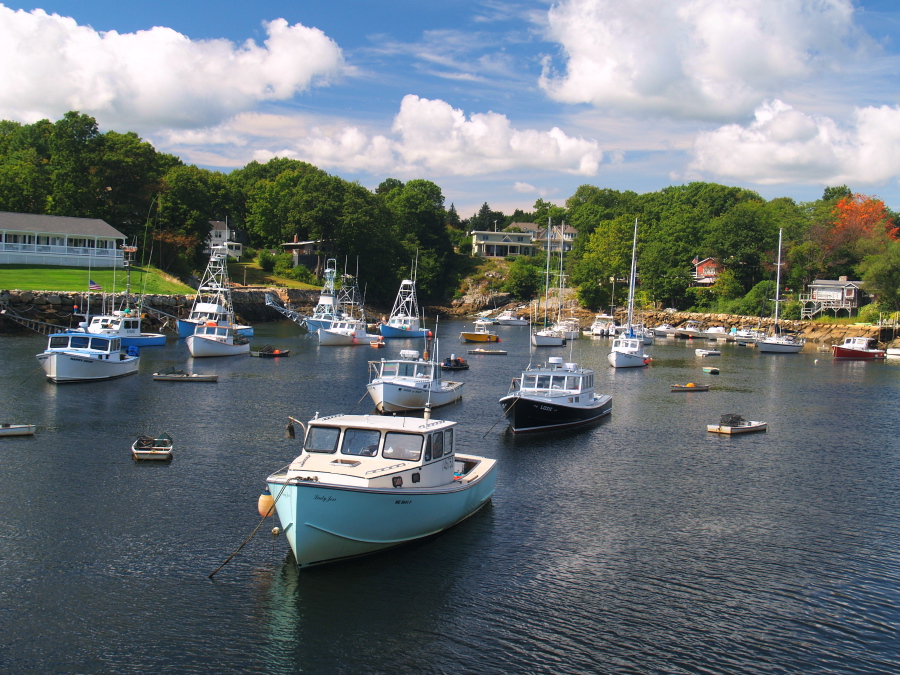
276,531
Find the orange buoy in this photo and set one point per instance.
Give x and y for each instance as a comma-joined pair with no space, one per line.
690,384
265,504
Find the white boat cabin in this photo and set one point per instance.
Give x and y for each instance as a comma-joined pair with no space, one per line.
212,331
96,347
404,368
118,323
380,452
557,379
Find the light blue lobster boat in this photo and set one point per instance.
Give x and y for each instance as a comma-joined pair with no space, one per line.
364,483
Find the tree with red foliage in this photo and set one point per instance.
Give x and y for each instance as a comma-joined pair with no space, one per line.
862,225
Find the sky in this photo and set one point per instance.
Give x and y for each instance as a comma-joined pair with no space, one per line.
497,102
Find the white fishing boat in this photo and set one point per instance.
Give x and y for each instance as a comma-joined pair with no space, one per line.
365,483
75,356
155,448
603,325
665,330
213,299
689,329
508,318
409,383
735,424
327,310
346,332
627,350
7,429
404,319
552,397
707,352
212,339
779,342
124,325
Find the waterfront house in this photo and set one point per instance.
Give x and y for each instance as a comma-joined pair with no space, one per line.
35,239
222,235
706,271
834,295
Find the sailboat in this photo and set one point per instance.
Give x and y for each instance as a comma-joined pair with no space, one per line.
213,300
404,319
628,349
778,342
547,337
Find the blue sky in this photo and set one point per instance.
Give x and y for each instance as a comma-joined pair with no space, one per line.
497,102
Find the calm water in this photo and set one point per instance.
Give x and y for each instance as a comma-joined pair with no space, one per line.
642,545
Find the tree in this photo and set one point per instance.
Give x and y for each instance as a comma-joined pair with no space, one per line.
881,274
523,278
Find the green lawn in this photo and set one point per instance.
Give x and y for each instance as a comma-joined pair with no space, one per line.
75,279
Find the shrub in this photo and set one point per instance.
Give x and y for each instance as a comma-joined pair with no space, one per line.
266,260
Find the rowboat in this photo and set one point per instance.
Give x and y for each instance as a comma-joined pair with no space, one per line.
153,448
707,352
711,370
7,429
270,352
181,376
732,424
690,386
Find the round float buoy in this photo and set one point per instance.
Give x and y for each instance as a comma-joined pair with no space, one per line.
265,504
690,384
275,531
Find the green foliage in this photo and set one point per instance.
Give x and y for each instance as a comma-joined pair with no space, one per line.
523,278
869,313
881,275
266,260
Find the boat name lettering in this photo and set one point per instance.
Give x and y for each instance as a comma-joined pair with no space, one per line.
545,407
403,501
325,498
312,479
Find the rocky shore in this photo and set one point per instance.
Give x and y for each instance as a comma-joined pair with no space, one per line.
250,305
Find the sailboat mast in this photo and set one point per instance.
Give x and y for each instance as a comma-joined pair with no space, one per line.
631,280
778,281
547,280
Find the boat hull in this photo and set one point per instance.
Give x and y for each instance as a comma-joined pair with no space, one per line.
478,337
184,377
326,523
62,367
392,332
778,347
526,414
334,338
17,429
393,396
748,428
200,347
144,340
627,360
539,340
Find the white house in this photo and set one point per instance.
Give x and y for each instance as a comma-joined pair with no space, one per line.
33,239
833,295
531,239
222,235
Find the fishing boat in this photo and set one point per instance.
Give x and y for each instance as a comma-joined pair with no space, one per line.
779,342
124,325
707,352
365,483
627,350
480,334
74,356
454,362
409,383
213,339
157,448
346,331
7,429
858,348
508,318
213,299
735,424
327,310
404,319
177,375
689,329
690,386
269,352
552,397
603,325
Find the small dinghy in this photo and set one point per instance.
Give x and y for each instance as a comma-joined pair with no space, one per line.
490,352
711,370
690,386
454,362
174,375
269,352
732,423
707,352
7,429
148,447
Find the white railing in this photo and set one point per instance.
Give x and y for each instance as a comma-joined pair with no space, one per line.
62,250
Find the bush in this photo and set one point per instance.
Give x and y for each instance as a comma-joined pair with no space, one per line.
266,260
869,313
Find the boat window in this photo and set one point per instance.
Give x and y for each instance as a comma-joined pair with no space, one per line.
559,382
425,371
448,442
573,382
322,439
428,448
543,382
59,341
399,445
438,445
529,382
80,342
360,442
100,344
389,369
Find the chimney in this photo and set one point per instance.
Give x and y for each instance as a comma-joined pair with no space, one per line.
296,238
844,278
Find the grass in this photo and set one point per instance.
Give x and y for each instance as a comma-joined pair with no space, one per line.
251,274
75,279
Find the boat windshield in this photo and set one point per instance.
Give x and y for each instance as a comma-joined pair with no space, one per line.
100,344
404,446
322,439
407,369
360,442
567,382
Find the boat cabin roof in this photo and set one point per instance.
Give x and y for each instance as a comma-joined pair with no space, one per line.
83,341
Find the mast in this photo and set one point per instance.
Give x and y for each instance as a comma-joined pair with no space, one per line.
547,280
631,281
778,282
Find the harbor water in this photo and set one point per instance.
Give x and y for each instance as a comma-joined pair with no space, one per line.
643,544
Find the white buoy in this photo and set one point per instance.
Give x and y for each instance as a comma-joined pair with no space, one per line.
275,531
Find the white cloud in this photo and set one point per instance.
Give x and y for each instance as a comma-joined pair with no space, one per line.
151,78
783,145
699,59
429,136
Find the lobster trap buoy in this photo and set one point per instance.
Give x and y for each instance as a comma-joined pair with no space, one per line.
265,504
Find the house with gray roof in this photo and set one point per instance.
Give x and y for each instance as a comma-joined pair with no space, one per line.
34,239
